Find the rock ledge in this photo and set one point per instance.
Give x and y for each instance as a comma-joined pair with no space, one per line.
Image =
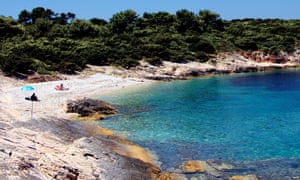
89,109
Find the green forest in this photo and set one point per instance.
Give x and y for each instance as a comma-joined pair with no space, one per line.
43,41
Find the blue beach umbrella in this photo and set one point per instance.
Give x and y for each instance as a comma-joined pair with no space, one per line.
27,88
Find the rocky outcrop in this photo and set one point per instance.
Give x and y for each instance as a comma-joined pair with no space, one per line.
223,63
260,57
90,108
53,148
43,78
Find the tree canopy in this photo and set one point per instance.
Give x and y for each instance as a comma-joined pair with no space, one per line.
44,41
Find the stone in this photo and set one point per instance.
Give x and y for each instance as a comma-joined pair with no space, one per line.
194,166
171,176
221,166
200,167
246,177
90,108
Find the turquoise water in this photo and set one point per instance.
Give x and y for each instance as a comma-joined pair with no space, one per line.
237,118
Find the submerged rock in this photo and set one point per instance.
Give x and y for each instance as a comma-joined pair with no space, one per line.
219,165
90,108
170,176
197,166
194,166
245,177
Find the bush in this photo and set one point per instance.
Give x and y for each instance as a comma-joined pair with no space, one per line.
156,61
274,51
200,44
94,55
40,67
126,62
68,68
202,57
13,64
246,44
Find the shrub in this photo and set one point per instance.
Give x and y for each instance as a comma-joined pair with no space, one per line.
202,57
156,61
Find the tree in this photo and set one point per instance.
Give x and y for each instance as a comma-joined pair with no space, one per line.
13,64
246,44
40,12
58,30
123,21
197,44
156,20
97,21
7,28
81,29
186,21
64,19
40,28
24,17
209,20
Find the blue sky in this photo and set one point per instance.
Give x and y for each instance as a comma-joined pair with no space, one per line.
228,9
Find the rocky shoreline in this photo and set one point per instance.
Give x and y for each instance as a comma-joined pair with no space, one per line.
51,146
224,63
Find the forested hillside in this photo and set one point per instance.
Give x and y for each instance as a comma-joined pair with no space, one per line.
44,41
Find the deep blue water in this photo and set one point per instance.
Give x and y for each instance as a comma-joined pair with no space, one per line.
243,118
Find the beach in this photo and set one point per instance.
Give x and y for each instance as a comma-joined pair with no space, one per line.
51,100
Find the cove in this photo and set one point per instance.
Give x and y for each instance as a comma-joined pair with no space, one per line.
248,119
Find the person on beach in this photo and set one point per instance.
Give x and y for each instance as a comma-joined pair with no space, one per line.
60,87
33,97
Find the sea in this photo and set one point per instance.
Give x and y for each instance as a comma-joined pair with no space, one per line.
248,120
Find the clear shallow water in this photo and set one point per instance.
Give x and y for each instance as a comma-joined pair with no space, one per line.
237,118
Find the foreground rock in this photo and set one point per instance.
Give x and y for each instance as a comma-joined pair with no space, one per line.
90,108
62,149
